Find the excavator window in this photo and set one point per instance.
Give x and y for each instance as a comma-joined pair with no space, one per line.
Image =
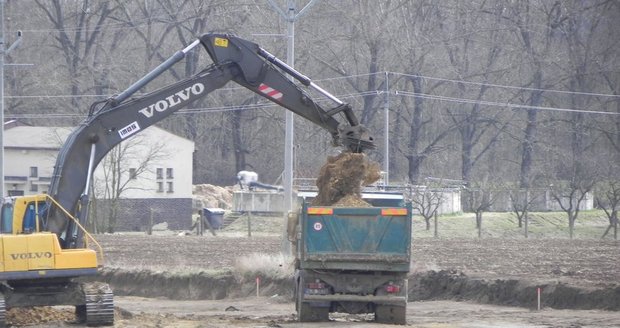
6,222
34,212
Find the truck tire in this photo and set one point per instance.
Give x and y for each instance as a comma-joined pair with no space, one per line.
392,314
306,312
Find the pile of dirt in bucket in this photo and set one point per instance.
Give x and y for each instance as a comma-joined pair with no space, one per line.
341,179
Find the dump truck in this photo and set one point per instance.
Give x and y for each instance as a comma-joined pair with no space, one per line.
352,259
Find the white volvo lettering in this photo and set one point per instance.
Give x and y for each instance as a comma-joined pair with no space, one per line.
173,100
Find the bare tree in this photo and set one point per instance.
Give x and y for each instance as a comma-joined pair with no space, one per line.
607,197
480,197
571,194
365,47
445,62
78,29
426,201
468,58
426,129
521,201
121,168
536,44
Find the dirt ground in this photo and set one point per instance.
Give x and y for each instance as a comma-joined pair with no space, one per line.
269,312
274,312
589,265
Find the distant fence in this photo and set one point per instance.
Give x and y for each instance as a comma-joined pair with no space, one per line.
539,200
453,199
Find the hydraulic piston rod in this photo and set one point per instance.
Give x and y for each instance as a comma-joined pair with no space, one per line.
154,73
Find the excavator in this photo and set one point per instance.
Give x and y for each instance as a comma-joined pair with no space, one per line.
45,252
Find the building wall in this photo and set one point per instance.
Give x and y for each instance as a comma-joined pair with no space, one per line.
17,169
27,146
168,153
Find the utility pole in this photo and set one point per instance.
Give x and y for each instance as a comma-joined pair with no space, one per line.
3,53
386,129
291,16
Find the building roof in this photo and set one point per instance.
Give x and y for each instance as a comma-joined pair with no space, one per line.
40,137
43,137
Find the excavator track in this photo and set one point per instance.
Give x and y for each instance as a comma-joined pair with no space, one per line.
2,312
98,309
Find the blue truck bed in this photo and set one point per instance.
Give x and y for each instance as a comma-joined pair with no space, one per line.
360,238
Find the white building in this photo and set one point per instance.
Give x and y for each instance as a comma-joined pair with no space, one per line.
155,169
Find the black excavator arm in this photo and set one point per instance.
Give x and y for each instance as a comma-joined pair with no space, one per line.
120,117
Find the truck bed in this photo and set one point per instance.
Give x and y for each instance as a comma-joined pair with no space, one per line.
360,238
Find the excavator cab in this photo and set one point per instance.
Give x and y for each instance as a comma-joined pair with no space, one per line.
30,254
22,214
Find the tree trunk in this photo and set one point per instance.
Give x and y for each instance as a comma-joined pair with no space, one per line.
414,168
571,224
466,162
238,148
528,148
414,158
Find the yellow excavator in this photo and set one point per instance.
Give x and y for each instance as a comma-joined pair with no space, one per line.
44,249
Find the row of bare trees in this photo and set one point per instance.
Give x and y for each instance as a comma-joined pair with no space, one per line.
487,196
522,93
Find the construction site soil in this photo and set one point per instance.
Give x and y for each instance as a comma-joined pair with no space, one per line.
195,281
180,280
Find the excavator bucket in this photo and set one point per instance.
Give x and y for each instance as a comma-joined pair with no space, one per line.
356,138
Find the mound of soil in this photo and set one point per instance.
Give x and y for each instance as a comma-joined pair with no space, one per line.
38,315
341,179
206,195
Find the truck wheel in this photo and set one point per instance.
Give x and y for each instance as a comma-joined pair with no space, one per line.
392,314
306,312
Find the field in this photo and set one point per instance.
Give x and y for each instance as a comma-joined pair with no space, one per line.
204,275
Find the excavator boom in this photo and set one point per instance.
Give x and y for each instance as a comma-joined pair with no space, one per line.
120,117
37,268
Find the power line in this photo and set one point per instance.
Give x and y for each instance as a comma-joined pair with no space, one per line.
266,105
499,104
468,82
508,86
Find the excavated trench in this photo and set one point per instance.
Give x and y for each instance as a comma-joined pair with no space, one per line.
339,184
431,285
